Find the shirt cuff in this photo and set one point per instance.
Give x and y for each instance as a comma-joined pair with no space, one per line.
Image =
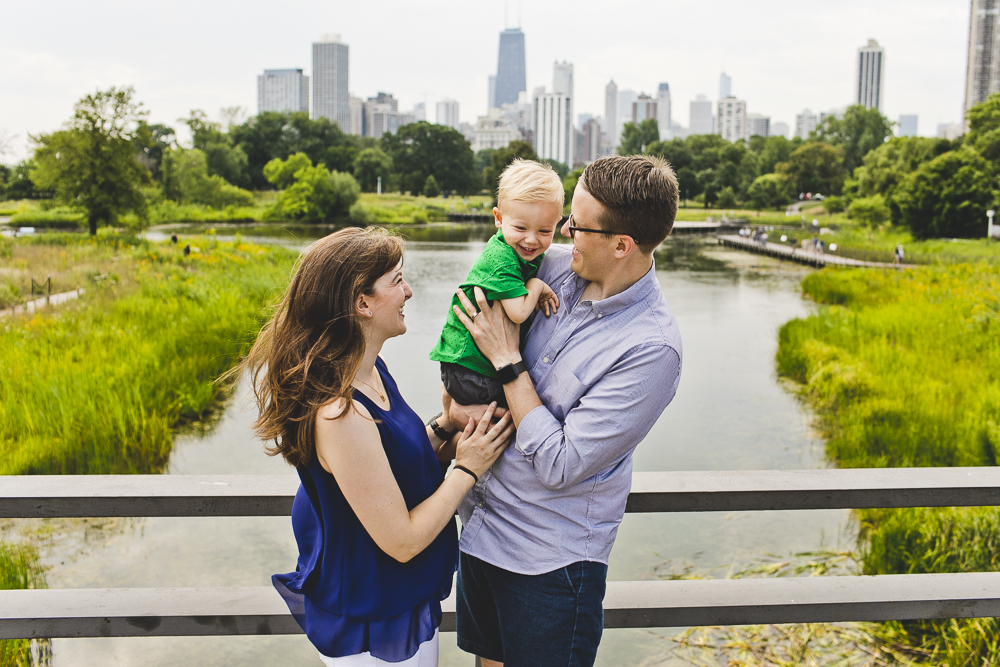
536,427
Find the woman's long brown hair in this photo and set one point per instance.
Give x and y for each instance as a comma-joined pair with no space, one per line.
308,353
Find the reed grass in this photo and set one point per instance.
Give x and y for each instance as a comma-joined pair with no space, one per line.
19,569
95,387
903,369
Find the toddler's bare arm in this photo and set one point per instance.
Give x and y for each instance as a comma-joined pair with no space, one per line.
520,308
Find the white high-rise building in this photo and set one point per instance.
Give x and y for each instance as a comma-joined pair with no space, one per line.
562,84
982,74
555,137
447,113
494,130
282,90
356,106
779,130
329,75
611,112
663,115
702,119
419,112
870,77
381,115
732,119
491,92
625,100
725,86
644,107
805,123
908,125
758,125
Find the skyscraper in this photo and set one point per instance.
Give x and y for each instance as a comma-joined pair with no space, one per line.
491,92
702,120
870,75
282,90
908,125
725,86
779,130
643,107
625,99
329,74
982,77
611,112
447,113
555,137
663,117
758,125
510,67
805,123
732,117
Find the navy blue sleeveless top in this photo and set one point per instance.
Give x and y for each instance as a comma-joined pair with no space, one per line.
347,594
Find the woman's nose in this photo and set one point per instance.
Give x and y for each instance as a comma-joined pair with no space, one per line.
407,290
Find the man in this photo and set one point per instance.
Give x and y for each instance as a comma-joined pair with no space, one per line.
538,527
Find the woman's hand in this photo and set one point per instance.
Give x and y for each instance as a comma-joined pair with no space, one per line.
479,446
494,333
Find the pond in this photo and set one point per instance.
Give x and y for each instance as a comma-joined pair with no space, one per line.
731,412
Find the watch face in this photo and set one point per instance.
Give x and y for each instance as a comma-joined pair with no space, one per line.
507,373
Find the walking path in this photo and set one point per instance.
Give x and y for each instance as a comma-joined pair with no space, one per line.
798,255
32,306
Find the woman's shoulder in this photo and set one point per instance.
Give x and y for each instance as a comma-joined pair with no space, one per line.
338,415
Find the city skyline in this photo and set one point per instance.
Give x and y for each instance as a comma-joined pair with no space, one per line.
777,68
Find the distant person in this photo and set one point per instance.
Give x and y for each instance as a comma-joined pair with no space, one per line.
187,250
529,206
374,517
821,246
898,255
173,239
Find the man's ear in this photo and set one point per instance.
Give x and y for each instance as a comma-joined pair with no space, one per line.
497,217
626,246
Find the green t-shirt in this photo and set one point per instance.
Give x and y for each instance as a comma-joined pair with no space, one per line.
501,274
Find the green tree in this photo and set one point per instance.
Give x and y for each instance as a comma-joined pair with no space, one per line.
814,167
870,212
569,185
834,205
92,162
501,158
727,198
19,183
674,151
483,159
186,180
769,191
984,129
774,150
948,196
687,183
369,165
423,149
316,194
561,169
281,173
431,188
859,132
636,137
222,157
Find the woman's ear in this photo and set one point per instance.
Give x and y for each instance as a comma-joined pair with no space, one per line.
363,307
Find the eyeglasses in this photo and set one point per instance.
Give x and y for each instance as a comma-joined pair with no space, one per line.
573,229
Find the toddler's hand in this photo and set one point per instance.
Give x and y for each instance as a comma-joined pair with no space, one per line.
548,302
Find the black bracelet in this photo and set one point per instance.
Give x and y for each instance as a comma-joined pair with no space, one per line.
438,431
464,469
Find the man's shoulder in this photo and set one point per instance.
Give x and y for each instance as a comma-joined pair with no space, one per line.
654,324
555,264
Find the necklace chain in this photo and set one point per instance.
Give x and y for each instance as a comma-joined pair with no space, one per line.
380,394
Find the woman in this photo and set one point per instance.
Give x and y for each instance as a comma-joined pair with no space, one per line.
374,515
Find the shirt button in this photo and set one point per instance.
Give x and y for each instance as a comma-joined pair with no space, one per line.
545,359
481,504
600,315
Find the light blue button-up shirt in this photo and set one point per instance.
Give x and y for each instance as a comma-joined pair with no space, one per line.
604,371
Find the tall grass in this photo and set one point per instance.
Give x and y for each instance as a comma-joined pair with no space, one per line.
19,569
903,369
96,387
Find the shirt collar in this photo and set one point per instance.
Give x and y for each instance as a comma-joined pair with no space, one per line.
637,292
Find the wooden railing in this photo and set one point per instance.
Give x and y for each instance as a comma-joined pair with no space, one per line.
116,612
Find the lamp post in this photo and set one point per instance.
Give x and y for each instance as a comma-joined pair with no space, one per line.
989,226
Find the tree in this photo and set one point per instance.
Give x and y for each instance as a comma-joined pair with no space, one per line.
769,191
186,180
727,198
369,165
984,129
561,169
151,142
501,158
687,183
814,167
92,162
674,151
860,131
281,173
870,212
19,183
222,157
422,149
431,188
948,196
315,195
834,205
569,184
636,137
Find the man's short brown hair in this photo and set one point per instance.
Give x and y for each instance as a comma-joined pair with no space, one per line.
639,194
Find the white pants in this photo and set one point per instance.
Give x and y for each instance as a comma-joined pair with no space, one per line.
426,656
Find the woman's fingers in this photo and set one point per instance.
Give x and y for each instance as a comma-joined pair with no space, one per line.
481,298
487,417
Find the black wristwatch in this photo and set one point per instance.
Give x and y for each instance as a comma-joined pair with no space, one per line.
507,374
438,431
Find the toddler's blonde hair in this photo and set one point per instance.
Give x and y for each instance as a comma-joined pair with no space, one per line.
529,181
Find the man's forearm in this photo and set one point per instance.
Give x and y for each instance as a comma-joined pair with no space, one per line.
521,397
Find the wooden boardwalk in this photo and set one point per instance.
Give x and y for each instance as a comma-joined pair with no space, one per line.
798,255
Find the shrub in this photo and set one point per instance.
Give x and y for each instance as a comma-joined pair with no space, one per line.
869,211
431,188
834,205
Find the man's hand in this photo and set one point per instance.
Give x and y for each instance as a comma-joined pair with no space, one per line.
494,333
548,302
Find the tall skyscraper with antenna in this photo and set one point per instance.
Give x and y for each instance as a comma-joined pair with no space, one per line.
510,67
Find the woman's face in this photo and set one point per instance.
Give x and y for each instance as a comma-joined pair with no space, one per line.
386,305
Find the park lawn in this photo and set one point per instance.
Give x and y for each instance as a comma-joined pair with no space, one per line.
903,370
95,386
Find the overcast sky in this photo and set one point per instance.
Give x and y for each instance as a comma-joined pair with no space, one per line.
783,55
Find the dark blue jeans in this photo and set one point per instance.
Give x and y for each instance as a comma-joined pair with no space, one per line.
552,619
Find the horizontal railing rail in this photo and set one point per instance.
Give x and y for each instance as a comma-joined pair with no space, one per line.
628,604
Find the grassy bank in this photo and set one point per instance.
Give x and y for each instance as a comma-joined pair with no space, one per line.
95,387
903,369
